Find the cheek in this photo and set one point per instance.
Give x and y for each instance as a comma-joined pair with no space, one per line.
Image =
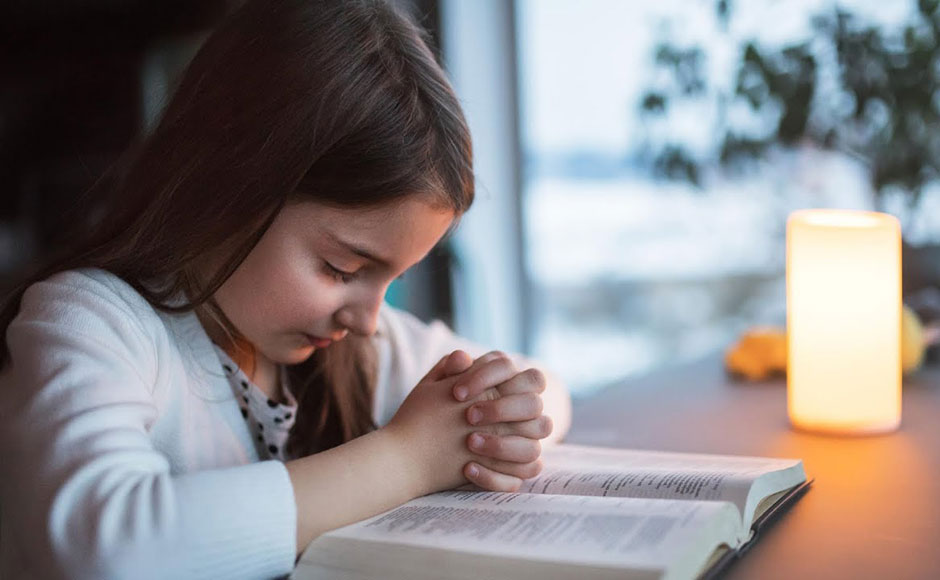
301,296
270,293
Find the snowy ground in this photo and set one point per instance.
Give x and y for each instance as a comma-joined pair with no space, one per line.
631,274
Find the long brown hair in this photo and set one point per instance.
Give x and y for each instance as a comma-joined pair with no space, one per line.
340,101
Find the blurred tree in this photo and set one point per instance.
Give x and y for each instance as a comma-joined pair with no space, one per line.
882,107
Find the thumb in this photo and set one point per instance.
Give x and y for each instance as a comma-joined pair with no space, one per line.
457,362
452,364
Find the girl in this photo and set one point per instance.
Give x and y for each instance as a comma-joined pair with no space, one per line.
208,379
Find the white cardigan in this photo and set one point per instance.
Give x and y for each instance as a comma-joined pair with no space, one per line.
123,452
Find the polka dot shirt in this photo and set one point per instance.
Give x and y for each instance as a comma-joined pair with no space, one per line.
269,421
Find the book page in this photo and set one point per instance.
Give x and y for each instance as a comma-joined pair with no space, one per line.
619,533
597,471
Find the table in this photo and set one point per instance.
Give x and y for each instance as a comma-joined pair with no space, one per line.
874,508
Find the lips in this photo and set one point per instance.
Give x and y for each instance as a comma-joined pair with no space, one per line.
318,341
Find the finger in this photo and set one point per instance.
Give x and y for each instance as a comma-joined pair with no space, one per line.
457,362
487,371
539,428
440,370
512,408
489,479
528,381
511,468
506,448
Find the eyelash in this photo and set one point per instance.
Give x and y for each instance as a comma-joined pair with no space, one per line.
343,276
339,275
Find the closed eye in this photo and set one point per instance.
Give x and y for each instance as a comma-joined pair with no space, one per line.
337,274
344,276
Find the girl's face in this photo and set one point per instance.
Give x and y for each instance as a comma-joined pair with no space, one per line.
320,272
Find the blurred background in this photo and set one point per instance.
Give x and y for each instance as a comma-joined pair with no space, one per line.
636,161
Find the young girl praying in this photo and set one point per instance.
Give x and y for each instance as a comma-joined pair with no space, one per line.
208,378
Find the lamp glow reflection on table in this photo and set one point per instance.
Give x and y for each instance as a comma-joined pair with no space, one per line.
843,321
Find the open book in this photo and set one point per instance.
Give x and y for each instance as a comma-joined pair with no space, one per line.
592,513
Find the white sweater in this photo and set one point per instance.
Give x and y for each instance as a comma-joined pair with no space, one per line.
123,453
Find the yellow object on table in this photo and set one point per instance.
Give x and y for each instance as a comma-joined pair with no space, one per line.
761,352
913,341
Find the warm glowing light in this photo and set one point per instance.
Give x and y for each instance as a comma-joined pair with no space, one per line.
844,321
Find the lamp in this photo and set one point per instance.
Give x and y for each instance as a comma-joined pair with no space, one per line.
843,321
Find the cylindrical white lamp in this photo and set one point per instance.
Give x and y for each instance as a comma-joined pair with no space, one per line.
844,321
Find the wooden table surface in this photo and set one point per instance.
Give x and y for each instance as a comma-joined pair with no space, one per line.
874,508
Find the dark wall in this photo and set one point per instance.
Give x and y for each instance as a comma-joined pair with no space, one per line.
77,86
71,75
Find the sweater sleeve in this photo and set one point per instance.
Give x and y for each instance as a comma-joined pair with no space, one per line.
83,486
408,348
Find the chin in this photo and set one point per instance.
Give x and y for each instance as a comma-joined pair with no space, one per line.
295,355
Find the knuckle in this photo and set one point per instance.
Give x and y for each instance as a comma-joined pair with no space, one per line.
534,403
495,445
503,370
499,429
497,359
490,356
490,394
532,469
533,452
507,365
494,411
545,426
529,429
536,378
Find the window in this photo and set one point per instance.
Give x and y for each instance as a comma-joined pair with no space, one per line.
630,270
660,148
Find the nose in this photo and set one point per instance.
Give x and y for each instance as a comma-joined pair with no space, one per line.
361,317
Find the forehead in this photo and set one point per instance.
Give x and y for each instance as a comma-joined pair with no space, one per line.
402,231
407,213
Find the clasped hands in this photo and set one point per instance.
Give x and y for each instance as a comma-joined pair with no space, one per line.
475,420
505,412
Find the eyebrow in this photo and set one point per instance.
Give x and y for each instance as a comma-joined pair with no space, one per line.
358,250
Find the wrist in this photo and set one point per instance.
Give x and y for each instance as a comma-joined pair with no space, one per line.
408,459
